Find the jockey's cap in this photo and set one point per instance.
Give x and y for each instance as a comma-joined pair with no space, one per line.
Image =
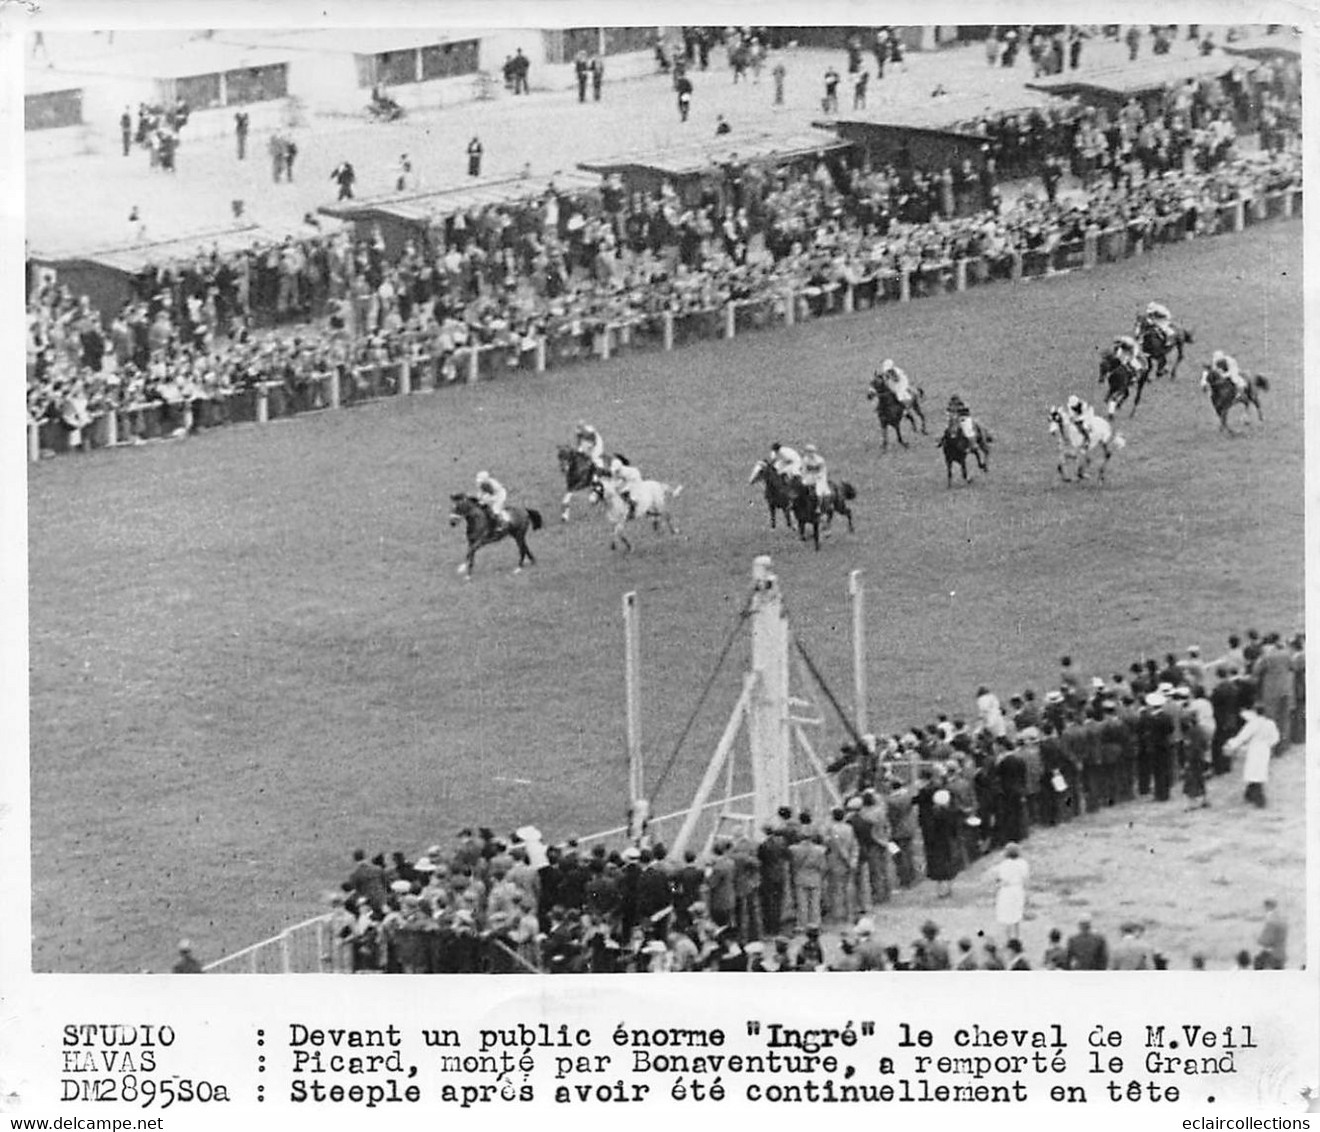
1074,402
1219,356
887,364
810,448
482,476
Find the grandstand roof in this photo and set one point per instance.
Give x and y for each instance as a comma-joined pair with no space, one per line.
944,114
1127,79
698,156
357,41
421,207
131,258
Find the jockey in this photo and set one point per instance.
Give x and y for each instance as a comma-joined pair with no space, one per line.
960,418
588,441
1227,366
1157,316
897,381
1128,352
786,461
814,473
626,478
1082,415
491,494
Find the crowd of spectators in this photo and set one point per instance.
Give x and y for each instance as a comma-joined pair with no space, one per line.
157,131
931,800
509,277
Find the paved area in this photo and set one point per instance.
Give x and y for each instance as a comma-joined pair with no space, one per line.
546,131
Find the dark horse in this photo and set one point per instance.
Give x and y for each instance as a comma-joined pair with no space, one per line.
483,529
956,448
1119,378
1158,349
892,412
809,511
780,491
1224,395
580,474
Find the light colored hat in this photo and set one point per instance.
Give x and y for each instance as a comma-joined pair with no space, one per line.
1054,697
400,886
941,797
1155,699
1165,688
756,947
865,926
483,475
888,363
424,865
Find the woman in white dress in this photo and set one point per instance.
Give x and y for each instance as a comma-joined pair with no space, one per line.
1011,898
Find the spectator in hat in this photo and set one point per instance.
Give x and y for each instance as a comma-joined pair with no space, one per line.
1017,961
1087,949
941,842
1273,673
474,152
809,862
187,963
1130,953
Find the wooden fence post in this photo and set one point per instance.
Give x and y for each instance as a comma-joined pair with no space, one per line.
1090,248
111,429
960,275
263,403
334,387
405,377
34,441
730,320
540,354
904,285
790,308
1015,270
474,365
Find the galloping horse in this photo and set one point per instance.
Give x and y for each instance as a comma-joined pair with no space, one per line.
1158,348
580,474
892,412
1224,395
482,529
1079,449
651,499
1120,377
957,447
780,491
809,511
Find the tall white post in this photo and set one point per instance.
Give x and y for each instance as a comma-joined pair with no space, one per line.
858,592
632,671
768,728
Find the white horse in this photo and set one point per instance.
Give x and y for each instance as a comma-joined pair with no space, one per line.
1074,448
651,499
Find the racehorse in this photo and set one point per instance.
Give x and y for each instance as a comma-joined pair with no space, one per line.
651,499
1224,394
809,511
1157,348
483,529
1079,449
892,412
1120,377
580,474
957,447
780,491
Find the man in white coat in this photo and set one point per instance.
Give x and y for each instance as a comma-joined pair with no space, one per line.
1257,739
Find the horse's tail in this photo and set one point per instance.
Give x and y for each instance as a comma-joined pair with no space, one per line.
1187,335
674,492
1262,383
1119,442
534,517
849,492
985,435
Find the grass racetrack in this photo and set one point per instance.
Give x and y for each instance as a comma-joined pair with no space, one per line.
250,652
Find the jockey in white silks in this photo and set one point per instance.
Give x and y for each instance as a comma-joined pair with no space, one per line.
1129,353
1225,364
626,477
898,383
814,473
786,461
1082,415
1158,316
588,441
492,495
960,417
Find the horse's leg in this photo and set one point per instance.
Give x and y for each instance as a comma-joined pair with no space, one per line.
898,432
916,408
